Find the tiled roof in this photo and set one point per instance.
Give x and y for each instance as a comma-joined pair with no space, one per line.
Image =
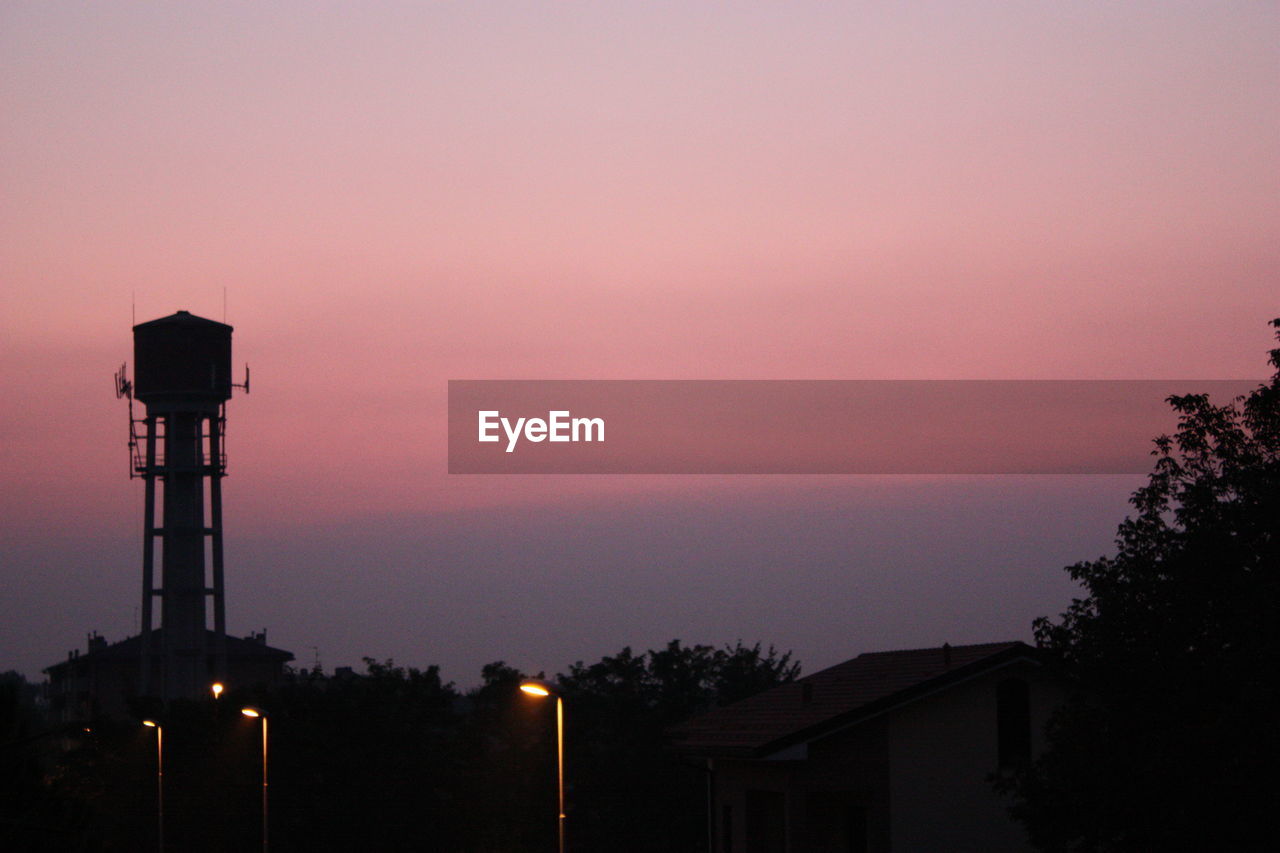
806,707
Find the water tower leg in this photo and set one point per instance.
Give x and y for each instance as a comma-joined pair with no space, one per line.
148,555
215,532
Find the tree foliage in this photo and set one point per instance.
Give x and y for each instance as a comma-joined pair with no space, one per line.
1168,740
38,811
630,792
395,758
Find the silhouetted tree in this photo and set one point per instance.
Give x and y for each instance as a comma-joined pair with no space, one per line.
1169,740
506,780
364,760
743,671
628,792
35,813
390,759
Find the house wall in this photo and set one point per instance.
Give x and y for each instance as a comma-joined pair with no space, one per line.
942,752
914,780
91,686
731,782
837,793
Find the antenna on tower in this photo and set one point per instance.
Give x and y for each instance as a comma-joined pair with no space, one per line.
124,388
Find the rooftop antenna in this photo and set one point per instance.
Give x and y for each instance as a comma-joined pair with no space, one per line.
133,308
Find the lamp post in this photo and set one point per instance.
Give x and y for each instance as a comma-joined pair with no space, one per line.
217,688
541,690
258,714
152,724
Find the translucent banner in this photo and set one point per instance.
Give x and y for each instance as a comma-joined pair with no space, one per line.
814,426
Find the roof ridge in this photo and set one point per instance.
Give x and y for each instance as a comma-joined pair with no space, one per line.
952,646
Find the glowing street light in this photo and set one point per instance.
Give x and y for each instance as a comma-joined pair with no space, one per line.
259,714
217,688
541,690
152,724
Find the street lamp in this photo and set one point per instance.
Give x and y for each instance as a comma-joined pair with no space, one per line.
217,688
541,690
257,713
152,724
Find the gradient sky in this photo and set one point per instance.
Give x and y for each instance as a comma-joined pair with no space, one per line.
392,195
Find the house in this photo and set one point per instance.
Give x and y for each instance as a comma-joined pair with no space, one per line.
105,680
889,751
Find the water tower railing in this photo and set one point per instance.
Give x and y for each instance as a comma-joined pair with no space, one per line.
138,453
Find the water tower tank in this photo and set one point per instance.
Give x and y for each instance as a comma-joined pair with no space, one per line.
182,357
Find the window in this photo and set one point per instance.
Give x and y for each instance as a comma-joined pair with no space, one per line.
766,829
835,822
1013,723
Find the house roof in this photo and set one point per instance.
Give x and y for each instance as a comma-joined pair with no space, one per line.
130,648
841,695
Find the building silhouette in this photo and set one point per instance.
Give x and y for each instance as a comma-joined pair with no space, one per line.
182,377
886,751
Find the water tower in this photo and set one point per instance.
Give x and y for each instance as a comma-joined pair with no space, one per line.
182,375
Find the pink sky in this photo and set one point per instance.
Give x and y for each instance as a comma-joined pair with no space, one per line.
398,194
